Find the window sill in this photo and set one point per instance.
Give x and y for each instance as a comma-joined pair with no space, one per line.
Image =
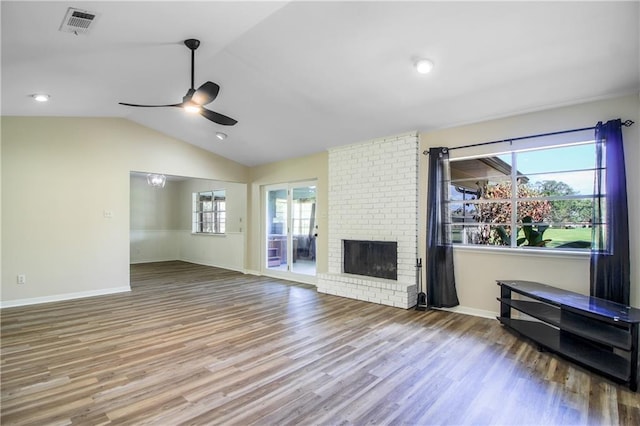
207,234
521,251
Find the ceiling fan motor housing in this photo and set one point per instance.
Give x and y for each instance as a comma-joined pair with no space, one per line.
192,43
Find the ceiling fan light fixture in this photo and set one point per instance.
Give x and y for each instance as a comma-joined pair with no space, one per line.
192,108
40,97
156,181
221,136
424,66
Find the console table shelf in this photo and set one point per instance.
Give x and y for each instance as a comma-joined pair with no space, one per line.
595,333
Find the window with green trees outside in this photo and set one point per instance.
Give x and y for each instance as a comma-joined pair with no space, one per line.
551,205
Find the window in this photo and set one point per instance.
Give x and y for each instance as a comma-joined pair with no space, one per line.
551,206
209,212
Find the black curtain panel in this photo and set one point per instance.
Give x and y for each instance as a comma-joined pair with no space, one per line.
441,282
610,260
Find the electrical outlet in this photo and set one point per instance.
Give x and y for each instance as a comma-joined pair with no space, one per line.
22,279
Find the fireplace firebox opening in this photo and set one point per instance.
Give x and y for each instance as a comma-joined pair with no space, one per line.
377,259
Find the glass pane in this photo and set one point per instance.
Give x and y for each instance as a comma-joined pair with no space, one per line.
575,213
303,229
204,201
490,212
481,168
461,212
276,250
555,224
538,211
574,157
221,222
460,193
481,234
491,190
558,184
481,212
219,195
207,222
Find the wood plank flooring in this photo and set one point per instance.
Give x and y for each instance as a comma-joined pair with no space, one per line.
198,345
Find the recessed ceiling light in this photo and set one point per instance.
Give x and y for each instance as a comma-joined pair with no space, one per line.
424,66
40,97
221,136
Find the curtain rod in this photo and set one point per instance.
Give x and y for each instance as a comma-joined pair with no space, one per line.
626,123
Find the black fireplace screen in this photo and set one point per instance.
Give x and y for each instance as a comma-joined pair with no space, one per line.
371,258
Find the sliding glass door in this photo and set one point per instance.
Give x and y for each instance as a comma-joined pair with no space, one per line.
277,227
290,237
303,229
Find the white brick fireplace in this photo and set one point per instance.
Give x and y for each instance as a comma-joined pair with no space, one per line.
373,196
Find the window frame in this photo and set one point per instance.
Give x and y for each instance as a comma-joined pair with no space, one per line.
216,211
514,201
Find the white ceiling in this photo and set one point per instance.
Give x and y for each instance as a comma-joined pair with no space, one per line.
301,77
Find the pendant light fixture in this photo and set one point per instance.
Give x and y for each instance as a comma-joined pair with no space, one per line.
156,181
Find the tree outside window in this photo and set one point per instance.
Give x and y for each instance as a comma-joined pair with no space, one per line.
551,207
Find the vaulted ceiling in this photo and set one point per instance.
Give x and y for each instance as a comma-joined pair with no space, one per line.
301,77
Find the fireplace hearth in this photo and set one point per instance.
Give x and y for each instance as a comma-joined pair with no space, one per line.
377,259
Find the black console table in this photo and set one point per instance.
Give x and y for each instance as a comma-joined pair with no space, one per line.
595,333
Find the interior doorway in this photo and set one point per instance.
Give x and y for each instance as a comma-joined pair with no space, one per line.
290,229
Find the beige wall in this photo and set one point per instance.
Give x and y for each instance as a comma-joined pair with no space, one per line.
477,269
297,169
154,209
59,176
224,251
161,223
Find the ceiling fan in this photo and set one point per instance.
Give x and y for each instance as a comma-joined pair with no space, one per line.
194,100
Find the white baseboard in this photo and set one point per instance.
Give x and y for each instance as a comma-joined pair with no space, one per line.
197,262
471,311
213,264
297,278
62,297
140,261
252,272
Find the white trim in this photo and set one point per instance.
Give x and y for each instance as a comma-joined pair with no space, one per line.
63,297
465,310
153,260
522,251
213,265
252,272
264,192
291,276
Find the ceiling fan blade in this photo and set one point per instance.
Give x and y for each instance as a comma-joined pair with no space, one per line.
194,100
206,93
150,106
217,118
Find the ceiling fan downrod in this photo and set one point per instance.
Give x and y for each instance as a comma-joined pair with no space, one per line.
192,44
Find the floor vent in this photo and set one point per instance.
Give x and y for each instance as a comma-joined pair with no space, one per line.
77,21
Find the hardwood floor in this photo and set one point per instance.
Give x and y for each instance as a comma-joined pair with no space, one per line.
199,345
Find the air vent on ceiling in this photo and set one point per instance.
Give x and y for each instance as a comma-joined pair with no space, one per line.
77,21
